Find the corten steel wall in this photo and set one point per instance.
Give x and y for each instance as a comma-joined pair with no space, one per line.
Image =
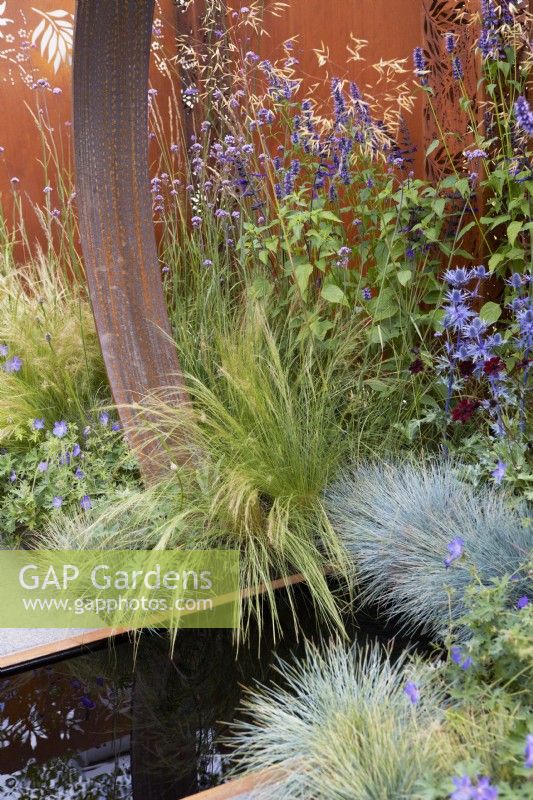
36,38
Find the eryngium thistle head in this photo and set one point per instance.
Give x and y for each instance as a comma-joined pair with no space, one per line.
397,521
341,726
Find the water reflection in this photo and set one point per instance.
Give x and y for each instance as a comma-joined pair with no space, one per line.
130,722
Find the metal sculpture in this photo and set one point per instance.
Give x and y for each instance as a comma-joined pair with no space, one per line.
110,86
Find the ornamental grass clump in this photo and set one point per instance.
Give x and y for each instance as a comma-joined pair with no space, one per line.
264,435
416,534
345,723
51,367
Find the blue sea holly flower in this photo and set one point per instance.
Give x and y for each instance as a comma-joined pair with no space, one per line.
115,426
455,549
86,503
60,429
13,364
38,424
457,277
412,692
464,790
57,502
528,752
522,602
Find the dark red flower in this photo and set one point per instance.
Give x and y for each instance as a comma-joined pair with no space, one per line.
493,366
466,368
464,410
416,366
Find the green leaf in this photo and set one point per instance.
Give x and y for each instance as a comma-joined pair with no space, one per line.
433,146
334,294
404,276
495,259
513,229
320,327
490,312
261,287
302,274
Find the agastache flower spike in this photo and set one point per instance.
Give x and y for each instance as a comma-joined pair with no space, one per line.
524,115
419,62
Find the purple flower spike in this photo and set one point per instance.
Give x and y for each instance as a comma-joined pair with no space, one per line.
455,549
412,692
85,502
60,429
524,115
522,602
528,752
419,62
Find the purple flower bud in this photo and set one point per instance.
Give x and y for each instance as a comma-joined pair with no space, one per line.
522,602
42,466
499,473
412,692
455,549
85,502
57,502
104,418
528,752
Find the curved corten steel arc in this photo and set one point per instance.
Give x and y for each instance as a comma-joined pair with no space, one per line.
110,88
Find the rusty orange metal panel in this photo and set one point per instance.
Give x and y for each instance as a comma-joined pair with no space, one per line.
110,86
36,44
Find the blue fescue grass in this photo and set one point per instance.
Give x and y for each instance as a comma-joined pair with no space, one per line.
340,725
397,521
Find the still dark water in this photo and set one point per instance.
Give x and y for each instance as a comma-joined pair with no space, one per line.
122,723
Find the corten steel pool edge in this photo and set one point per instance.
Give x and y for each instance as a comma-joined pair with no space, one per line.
238,787
60,649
